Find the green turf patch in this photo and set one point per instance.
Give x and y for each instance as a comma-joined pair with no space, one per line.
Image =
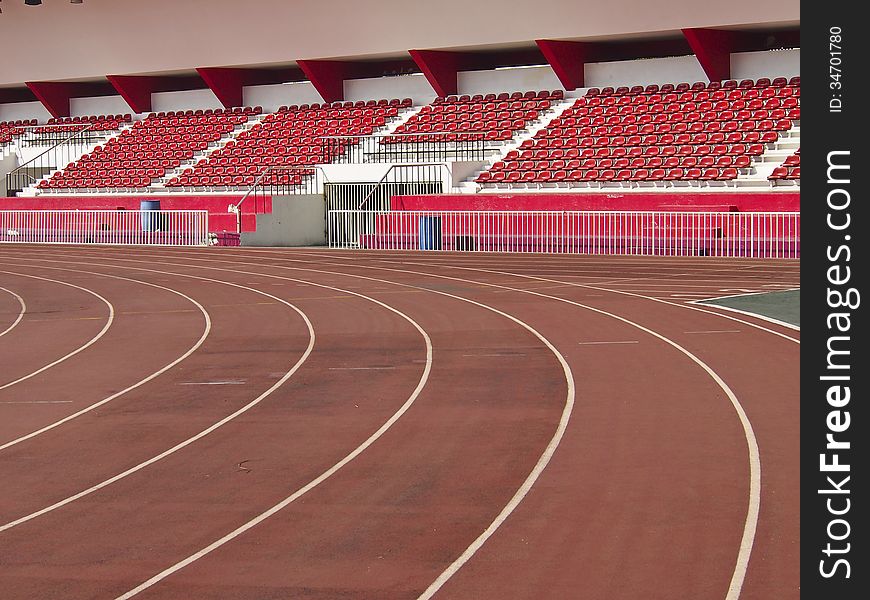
783,306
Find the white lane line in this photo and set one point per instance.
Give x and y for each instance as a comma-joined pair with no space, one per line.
524,489
424,378
37,402
715,331
20,313
751,521
752,314
606,342
285,377
754,501
744,293
692,305
231,382
186,442
189,440
141,382
88,344
361,368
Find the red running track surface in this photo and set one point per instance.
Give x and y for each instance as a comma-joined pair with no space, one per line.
265,423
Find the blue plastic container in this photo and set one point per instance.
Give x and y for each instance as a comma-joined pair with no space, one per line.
430,233
150,220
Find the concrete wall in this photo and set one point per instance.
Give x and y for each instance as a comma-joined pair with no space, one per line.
187,100
776,63
24,110
271,97
643,72
59,40
295,221
413,86
499,80
106,105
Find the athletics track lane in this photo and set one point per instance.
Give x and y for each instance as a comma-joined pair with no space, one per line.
641,425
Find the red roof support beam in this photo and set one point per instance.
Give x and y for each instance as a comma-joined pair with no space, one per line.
54,95
328,77
135,90
713,48
226,84
441,69
568,60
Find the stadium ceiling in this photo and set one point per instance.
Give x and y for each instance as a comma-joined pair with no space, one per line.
567,57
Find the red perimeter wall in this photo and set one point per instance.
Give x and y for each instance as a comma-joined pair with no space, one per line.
709,201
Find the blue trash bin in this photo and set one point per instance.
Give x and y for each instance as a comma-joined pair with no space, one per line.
430,233
150,220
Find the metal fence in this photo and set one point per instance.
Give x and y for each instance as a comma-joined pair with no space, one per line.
404,147
117,227
636,233
63,145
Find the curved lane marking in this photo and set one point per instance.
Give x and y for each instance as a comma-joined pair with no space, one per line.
20,314
259,399
690,306
157,373
517,498
754,503
192,439
81,348
759,316
753,509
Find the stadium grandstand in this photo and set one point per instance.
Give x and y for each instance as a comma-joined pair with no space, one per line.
387,300
698,118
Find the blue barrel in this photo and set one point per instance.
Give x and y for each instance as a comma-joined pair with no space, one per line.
150,220
430,233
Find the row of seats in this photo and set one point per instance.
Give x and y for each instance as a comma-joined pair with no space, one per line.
502,97
638,133
496,117
698,86
607,175
649,162
291,137
790,169
12,128
162,139
687,126
219,112
395,102
93,122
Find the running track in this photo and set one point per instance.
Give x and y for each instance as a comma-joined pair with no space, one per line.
243,423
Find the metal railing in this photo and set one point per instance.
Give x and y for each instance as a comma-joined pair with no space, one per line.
415,177
279,181
373,198
116,227
641,233
64,147
405,147
53,134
